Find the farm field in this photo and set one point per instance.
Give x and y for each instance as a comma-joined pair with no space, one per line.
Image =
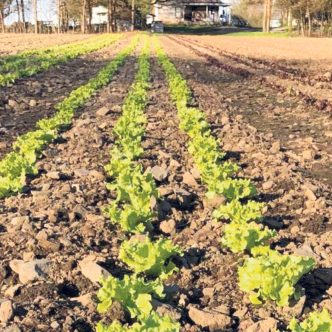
12,44
168,183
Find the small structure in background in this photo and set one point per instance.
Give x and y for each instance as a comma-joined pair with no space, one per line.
157,27
194,11
99,18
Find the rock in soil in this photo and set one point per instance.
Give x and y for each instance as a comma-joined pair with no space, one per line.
212,319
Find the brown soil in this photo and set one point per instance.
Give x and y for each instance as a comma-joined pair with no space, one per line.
313,54
302,218
302,129
12,43
61,219
33,98
66,213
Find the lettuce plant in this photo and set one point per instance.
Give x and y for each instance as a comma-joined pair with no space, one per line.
239,213
316,322
269,275
245,236
133,292
130,219
150,257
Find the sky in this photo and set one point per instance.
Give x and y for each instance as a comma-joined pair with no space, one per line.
46,11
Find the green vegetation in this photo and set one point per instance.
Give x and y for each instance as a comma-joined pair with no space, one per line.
153,323
133,213
269,275
316,322
16,165
266,274
149,256
31,62
133,292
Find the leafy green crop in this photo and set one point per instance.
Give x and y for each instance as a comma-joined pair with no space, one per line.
153,323
133,292
238,212
316,322
242,236
269,275
149,257
27,149
134,188
31,62
129,219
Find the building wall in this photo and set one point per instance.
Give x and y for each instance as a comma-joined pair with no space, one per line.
99,15
168,13
173,13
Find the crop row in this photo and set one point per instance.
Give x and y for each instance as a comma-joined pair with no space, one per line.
265,274
147,257
31,62
18,164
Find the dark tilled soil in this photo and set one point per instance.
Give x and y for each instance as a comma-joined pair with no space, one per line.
301,128
60,217
33,98
60,220
298,206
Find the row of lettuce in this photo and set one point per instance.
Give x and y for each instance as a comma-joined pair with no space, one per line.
266,274
31,62
148,257
21,161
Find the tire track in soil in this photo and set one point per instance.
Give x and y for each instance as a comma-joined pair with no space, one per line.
61,220
33,98
184,213
298,207
304,132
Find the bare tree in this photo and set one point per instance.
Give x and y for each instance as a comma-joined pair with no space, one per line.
23,15
34,3
132,15
83,23
59,15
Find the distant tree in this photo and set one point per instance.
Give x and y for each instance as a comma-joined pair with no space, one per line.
5,10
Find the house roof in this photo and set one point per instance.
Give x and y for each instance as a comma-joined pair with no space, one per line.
206,2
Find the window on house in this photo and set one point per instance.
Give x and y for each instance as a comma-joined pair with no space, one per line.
178,12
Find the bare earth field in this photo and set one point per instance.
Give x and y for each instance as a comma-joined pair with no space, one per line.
268,101
14,43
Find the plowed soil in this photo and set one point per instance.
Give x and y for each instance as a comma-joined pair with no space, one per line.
280,140
12,43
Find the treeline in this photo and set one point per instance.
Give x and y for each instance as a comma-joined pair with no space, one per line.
307,17
71,14
310,15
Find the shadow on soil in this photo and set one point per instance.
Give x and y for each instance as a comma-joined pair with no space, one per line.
208,30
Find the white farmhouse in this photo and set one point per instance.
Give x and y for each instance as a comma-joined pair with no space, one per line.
99,15
209,11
